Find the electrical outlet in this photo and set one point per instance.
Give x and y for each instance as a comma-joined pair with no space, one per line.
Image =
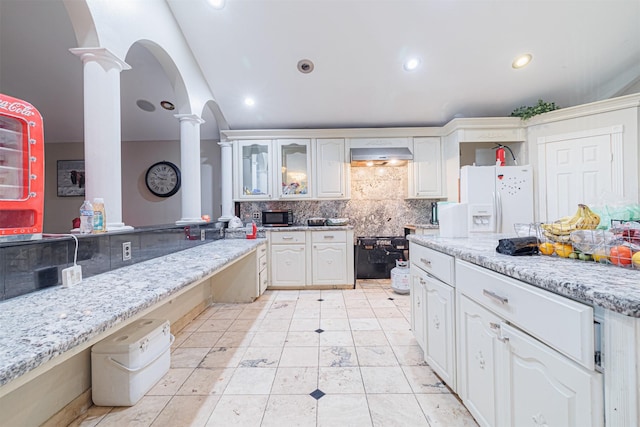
202,234
71,276
126,251
256,215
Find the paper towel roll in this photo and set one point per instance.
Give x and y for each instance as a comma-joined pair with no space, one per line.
452,218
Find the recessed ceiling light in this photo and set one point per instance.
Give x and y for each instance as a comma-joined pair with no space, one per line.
217,4
167,105
145,105
522,61
305,66
411,64
249,101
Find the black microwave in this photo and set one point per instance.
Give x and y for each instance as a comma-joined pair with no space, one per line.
277,218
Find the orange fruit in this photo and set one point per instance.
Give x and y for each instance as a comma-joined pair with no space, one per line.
563,249
620,255
546,248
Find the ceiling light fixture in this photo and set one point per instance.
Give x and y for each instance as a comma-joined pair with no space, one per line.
167,105
411,64
522,61
217,4
305,66
249,101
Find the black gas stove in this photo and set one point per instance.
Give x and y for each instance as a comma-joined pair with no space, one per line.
376,256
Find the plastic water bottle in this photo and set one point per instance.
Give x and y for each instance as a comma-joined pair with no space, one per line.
86,218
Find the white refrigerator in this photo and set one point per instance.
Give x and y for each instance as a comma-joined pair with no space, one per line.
497,197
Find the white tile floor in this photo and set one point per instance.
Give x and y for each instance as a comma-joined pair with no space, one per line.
297,358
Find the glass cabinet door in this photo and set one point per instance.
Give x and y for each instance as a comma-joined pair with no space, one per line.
294,161
254,177
13,166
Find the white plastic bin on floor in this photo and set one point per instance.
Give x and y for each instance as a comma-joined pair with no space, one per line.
127,364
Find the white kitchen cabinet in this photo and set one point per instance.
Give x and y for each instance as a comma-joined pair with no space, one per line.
263,268
479,361
518,367
253,177
425,172
418,306
288,259
329,257
433,309
294,168
330,169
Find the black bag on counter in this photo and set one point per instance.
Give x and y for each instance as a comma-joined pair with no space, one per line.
518,246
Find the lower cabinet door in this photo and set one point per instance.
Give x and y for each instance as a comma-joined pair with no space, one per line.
329,266
288,265
440,330
548,389
479,360
418,307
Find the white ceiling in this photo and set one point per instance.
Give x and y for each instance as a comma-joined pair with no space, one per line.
582,51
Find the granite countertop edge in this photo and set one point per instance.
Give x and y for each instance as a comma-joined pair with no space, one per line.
37,327
598,285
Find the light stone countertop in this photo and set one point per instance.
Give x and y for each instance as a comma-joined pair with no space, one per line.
607,286
36,327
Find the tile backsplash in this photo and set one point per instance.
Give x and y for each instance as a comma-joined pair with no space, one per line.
32,265
377,206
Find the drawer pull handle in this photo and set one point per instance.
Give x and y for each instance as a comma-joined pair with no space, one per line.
425,262
329,236
287,237
496,297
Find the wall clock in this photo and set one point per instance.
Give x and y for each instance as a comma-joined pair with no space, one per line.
163,179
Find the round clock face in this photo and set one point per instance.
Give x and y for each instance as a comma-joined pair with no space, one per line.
163,179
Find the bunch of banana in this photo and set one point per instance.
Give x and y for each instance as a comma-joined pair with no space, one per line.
560,230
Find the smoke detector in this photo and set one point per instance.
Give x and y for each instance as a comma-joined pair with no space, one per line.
305,66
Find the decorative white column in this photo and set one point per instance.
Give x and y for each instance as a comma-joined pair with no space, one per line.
102,140
190,162
226,181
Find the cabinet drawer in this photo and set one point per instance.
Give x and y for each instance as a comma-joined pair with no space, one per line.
338,236
262,263
435,263
287,237
563,324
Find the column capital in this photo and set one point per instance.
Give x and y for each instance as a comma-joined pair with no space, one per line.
99,54
189,118
225,144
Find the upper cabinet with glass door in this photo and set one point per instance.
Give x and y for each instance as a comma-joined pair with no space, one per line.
294,168
253,175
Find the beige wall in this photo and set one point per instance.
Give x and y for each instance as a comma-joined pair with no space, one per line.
139,206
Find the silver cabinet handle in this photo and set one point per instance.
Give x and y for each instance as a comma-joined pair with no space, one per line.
425,262
287,237
494,296
329,236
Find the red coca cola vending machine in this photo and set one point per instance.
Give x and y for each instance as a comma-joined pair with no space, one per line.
21,170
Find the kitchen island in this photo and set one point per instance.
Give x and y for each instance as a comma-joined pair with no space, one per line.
45,336
578,316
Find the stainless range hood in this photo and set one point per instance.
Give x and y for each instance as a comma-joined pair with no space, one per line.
380,156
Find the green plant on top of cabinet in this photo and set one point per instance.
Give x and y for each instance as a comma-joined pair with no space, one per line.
294,171
252,174
425,172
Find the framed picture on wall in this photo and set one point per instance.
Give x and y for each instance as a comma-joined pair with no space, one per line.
71,178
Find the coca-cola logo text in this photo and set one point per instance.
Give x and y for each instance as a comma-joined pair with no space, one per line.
17,107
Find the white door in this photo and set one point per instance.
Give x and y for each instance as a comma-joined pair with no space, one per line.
288,265
547,389
479,358
577,171
440,330
329,264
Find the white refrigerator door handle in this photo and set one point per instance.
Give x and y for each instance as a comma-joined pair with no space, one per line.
498,212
